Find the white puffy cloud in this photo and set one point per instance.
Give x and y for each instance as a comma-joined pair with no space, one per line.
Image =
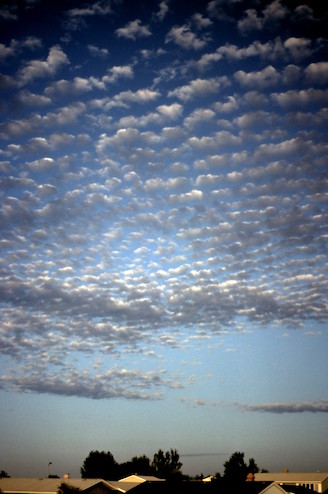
139,96
255,99
207,60
36,122
304,12
25,97
113,383
133,222
87,84
77,17
293,407
228,106
271,50
173,133
262,78
7,12
118,72
198,116
6,51
163,10
173,111
303,97
317,73
31,42
275,11
208,179
221,9
133,30
154,184
200,21
299,48
250,22
122,136
43,68
184,37
253,20
98,52
196,88
291,74
193,195
218,140
15,46
101,7
282,148
258,118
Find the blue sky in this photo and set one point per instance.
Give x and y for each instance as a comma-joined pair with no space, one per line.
163,232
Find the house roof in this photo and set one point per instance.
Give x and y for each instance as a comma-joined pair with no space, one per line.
140,478
183,487
273,488
46,485
123,486
51,486
294,477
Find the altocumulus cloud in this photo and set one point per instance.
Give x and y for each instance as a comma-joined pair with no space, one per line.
175,193
312,407
122,383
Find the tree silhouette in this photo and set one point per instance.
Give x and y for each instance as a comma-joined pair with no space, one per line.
235,469
167,465
138,464
252,466
100,465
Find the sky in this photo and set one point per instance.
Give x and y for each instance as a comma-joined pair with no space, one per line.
163,232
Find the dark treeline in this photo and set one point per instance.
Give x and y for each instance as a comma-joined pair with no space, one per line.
101,464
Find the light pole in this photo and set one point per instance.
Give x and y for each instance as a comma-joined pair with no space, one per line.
50,463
